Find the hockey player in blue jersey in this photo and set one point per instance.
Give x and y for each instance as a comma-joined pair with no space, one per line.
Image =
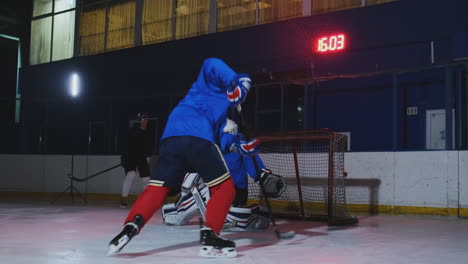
240,216
188,144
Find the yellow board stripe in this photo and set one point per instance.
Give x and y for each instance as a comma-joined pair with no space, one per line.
353,208
156,183
371,209
219,180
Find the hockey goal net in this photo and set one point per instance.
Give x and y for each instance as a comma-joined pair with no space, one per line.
312,163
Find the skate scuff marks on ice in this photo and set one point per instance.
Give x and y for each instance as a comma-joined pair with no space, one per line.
27,234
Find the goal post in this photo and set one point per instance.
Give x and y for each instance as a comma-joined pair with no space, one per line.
312,163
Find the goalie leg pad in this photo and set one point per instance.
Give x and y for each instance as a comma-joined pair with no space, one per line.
174,216
190,180
184,209
246,218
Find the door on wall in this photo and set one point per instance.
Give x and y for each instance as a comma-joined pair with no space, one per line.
96,137
435,129
9,71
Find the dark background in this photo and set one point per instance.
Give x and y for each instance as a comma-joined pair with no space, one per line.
365,89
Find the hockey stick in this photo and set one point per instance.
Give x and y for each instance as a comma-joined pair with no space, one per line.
288,234
198,199
95,174
279,234
194,179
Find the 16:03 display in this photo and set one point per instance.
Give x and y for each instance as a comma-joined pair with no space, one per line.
330,43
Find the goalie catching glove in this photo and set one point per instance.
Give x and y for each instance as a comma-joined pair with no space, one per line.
273,185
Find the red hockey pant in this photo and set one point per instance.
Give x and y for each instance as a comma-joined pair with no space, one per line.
152,198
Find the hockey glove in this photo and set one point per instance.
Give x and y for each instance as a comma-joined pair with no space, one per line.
237,93
273,185
249,148
246,148
262,175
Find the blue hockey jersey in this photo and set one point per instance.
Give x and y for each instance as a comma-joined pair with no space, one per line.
203,110
240,166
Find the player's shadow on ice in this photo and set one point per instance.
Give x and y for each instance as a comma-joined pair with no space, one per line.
265,238
159,250
258,239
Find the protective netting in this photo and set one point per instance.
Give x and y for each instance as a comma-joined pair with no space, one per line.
312,163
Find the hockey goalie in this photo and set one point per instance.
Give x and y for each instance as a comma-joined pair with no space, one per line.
195,194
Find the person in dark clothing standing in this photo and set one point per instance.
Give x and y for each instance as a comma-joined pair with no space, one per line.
136,156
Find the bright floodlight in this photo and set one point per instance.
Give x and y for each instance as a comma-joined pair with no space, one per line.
74,85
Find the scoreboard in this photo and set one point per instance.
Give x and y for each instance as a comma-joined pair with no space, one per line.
330,43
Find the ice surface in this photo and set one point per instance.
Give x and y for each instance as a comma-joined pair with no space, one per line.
37,232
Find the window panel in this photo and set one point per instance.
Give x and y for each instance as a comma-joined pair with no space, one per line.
64,35
324,6
42,7
121,28
374,2
192,18
61,5
278,10
92,29
40,40
234,14
157,21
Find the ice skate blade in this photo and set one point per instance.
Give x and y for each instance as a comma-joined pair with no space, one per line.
211,252
286,235
114,249
236,229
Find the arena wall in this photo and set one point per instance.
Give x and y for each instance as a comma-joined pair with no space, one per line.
416,182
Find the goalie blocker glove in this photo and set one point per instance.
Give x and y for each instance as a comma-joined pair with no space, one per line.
240,86
274,185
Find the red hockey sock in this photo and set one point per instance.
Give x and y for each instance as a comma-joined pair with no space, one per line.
218,205
148,202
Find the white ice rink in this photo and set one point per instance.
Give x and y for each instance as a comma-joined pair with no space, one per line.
37,232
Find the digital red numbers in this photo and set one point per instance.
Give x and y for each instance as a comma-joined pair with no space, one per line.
330,43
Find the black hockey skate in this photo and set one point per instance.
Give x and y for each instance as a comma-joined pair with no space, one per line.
213,246
129,231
